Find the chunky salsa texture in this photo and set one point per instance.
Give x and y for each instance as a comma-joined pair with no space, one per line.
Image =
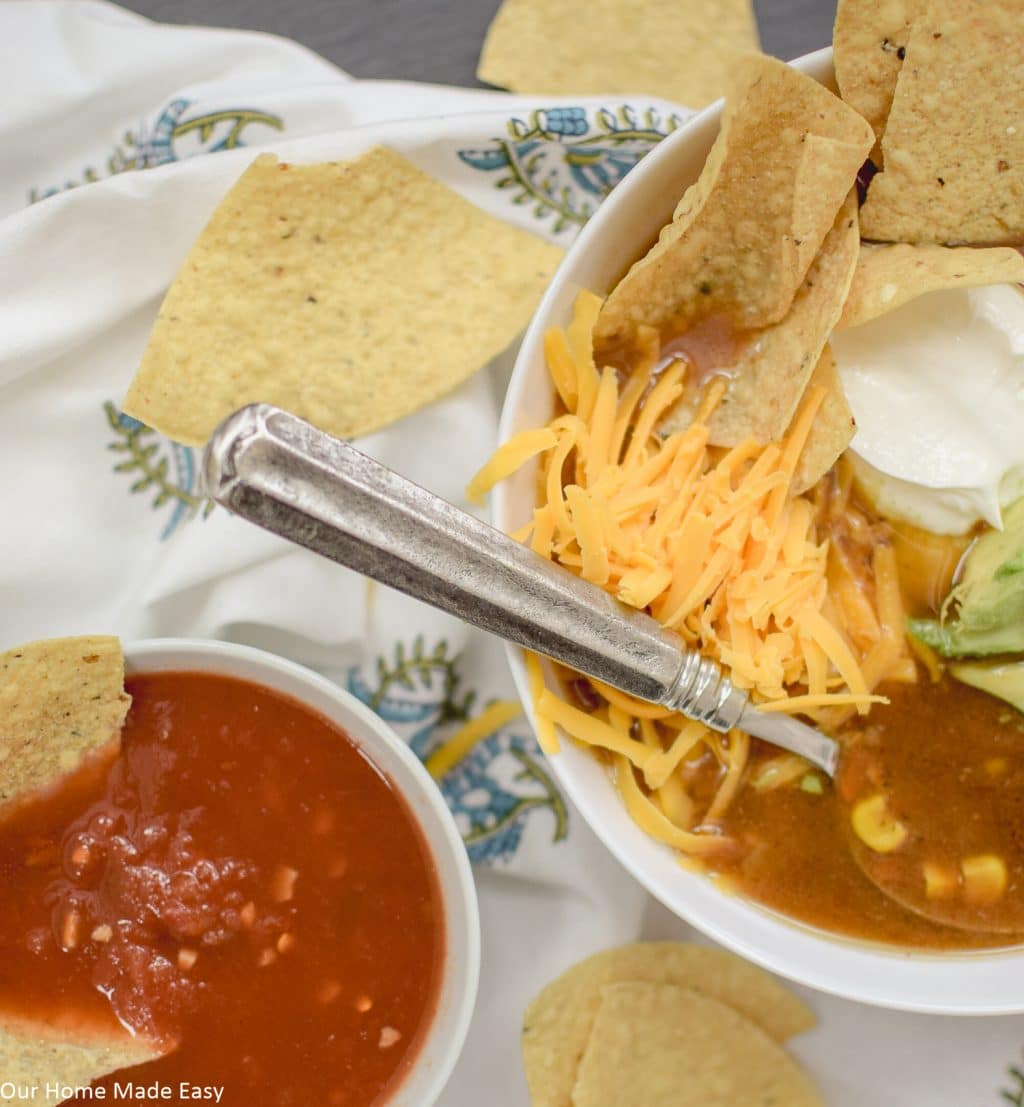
239,883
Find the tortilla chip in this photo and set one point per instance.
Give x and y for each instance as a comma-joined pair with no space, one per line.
868,44
954,142
34,1059
832,430
887,277
771,372
619,46
558,1022
60,699
350,294
744,235
825,166
664,1046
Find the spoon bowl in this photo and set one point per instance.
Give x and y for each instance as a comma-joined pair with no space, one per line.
924,822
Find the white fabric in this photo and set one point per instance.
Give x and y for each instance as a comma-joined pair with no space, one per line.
86,88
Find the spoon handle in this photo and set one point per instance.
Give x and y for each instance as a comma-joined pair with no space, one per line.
283,474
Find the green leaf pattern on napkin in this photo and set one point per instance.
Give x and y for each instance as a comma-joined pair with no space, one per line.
1013,1091
161,141
157,466
565,160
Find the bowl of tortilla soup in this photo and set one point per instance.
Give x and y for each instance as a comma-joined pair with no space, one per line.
724,413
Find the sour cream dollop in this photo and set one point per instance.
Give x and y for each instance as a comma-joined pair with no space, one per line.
937,389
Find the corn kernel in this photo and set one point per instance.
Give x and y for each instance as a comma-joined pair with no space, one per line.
984,878
939,880
875,826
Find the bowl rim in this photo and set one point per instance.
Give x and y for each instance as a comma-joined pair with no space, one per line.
423,1081
961,982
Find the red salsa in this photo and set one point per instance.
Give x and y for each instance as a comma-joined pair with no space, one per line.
238,883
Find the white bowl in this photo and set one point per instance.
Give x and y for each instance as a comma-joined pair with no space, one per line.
948,983
433,1064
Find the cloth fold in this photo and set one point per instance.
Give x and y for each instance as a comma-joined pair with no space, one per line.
105,528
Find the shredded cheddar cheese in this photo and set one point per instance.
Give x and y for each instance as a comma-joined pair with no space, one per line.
715,545
508,458
451,752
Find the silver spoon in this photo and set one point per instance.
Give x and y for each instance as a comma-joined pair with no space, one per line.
283,474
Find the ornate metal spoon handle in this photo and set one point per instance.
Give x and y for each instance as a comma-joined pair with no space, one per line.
279,472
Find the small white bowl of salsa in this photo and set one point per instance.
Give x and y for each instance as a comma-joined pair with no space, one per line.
263,881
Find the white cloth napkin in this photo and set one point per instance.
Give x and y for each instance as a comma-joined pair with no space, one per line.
101,529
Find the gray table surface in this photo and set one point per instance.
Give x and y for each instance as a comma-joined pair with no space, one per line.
435,40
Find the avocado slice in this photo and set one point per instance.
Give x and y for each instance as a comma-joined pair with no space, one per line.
988,601
1003,680
952,639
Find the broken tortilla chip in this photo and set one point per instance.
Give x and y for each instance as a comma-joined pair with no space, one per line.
558,1022
888,276
34,1057
618,46
868,44
664,1046
743,236
825,167
60,699
954,142
771,372
350,294
832,429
